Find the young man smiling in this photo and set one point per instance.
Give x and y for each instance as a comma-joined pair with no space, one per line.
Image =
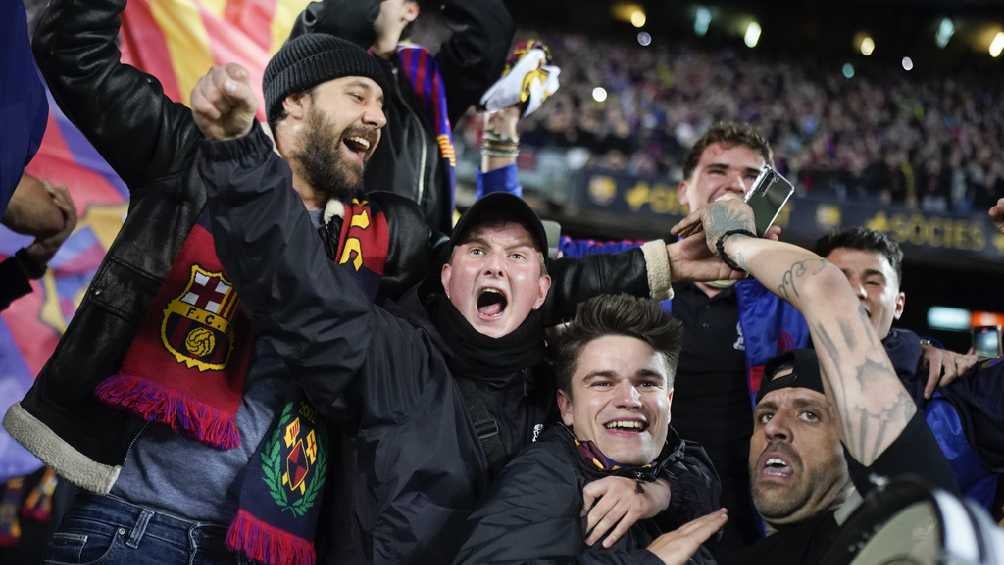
615,363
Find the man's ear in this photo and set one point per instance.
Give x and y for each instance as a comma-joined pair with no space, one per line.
543,285
681,194
296,105
565,408
444,278
669,405
900,305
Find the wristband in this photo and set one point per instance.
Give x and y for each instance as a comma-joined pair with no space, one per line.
720,245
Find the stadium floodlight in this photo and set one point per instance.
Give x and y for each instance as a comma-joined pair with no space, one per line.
907,64
847,70
702,20
997,45
638,18
600,94
952,319
644,38
865,44
946,29
752,36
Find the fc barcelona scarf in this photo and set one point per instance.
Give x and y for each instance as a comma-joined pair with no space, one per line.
282,485
421,71
186,368
186,365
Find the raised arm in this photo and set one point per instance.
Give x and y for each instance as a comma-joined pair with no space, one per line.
122,111
871,403
473,56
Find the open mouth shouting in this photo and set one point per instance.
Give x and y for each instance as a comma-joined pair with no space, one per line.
775,464
492,303
360,143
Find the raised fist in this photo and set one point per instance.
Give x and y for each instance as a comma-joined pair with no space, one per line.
223,104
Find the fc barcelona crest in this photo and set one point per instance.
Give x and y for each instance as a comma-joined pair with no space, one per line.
294,463
196,325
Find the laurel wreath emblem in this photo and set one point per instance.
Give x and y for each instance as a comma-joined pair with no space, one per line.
271,466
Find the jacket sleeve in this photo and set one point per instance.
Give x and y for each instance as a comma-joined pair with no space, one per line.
532,518
695,487
23,107
312,313
473,56
13,283
641,272
122,111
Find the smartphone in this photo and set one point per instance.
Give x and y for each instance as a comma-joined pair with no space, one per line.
770,192
987,341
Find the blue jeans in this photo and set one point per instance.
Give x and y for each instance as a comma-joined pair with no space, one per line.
111,531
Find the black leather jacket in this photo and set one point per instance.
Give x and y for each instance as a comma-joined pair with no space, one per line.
151,142
471,58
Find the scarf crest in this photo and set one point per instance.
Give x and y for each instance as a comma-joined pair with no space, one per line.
186,368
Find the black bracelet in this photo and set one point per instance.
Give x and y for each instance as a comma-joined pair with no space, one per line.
30,268
721,247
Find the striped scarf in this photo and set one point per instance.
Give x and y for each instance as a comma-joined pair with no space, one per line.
421,71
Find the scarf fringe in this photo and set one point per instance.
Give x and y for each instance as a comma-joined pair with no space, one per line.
260,541
185,415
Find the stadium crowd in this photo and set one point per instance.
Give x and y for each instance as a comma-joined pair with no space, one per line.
907,138
292,354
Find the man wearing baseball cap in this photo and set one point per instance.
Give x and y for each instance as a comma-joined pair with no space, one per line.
803,483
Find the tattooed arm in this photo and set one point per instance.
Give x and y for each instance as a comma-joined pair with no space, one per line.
872,406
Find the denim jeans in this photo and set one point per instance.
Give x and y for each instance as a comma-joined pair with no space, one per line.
111,531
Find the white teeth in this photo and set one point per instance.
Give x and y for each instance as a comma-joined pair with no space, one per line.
361,141
775,461
625,424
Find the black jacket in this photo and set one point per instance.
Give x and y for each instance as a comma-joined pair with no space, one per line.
413,465
533,512
151,142
470,59
13,282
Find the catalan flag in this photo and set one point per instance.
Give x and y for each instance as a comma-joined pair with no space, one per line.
177,41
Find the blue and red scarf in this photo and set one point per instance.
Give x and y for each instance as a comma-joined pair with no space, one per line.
421,70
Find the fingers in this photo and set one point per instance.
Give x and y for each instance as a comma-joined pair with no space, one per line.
934,361
704,527
590,493
773,233
690,224
607,516
623,525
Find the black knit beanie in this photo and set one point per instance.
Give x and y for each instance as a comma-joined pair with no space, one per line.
309,60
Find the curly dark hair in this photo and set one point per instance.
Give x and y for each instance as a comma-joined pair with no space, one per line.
729,134
619,314
863,239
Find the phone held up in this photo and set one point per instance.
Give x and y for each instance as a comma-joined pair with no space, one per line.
769,193
987,341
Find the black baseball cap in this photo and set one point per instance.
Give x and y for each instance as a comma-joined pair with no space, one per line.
500,207
805,373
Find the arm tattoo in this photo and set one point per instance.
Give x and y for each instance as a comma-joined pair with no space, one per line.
867,428
788,288
722,219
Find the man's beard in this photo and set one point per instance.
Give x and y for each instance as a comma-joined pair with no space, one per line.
327,170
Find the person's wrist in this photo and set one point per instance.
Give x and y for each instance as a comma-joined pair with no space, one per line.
725,239
32,267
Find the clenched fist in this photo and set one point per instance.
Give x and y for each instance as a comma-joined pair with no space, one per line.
223,104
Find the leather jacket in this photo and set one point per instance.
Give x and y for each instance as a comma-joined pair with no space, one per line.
152,142
471,58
